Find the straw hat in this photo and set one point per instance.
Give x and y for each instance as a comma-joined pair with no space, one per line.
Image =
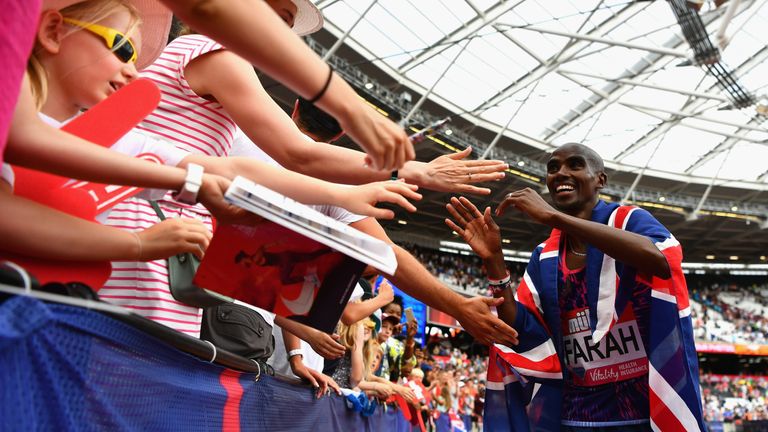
156,24
308,18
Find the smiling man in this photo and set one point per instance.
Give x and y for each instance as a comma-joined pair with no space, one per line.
602,311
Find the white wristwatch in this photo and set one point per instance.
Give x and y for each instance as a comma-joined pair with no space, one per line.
188,192
295,352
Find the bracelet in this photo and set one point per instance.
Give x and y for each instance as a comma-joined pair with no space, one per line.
295,352
325,86
499,282
138,240
393,176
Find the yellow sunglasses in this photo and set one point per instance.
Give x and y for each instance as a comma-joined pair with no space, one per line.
116,42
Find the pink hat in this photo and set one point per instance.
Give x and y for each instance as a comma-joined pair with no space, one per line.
156,24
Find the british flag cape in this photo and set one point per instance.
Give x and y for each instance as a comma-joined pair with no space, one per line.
524,384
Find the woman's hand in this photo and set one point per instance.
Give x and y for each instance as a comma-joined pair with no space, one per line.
384,390
318,380
386,294
324,344
211,195
452,173
173,236
407,393
386,144
360,335
363,199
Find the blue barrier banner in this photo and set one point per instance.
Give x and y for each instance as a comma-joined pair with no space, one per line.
64,368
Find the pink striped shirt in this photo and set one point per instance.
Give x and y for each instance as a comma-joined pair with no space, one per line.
191,123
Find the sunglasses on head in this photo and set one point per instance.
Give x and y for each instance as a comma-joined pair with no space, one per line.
120,45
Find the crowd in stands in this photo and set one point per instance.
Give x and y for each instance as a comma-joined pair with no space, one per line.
731,398
730,313
461,272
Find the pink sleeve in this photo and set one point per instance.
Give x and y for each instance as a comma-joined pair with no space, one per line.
18,22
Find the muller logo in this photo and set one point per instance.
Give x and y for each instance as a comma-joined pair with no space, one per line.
579,323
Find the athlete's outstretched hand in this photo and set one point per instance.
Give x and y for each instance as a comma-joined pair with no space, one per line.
479,230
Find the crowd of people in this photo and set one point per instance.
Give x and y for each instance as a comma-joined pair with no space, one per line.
731,313
461,272
731,398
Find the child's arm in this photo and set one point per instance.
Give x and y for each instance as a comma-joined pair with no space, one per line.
34,144
356,374
275,49
34,230
354,312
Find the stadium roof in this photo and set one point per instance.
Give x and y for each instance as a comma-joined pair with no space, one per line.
602,72
530,75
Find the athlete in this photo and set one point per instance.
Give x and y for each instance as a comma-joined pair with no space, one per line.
602,311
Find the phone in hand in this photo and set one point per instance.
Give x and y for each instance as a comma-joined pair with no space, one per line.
409,314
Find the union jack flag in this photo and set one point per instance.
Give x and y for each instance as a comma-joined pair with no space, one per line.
524,390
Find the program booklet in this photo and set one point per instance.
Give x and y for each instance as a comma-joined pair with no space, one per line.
297,262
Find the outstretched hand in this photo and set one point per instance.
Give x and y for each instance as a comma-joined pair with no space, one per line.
529,202
174,236
363,199
452,173
476,318
326,345
211,195
478,230
386,144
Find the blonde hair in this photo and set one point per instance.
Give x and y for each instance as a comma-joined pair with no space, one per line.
92,11
347,338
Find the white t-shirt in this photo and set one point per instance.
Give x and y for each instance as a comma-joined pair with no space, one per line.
135,143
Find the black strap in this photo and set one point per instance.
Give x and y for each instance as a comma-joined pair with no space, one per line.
158,210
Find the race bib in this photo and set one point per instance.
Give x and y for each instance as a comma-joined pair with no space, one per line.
618,357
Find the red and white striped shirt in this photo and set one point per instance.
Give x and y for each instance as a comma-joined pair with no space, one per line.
193,124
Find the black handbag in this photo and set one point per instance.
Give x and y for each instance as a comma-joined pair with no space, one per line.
181,272
238,329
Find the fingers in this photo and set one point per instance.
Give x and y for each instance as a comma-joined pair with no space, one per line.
400,200
467,204
503,333
408,152
484,177
464,188
311,379
334,386
454,227
493,301
378,213
462,154
508,201
405,189
453,210
464,209
323,388
489,219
